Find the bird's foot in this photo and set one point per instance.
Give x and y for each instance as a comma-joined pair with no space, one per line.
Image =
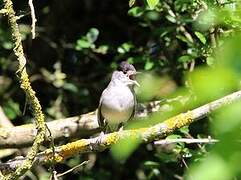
100,137
121,129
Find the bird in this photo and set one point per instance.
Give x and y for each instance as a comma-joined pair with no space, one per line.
117,102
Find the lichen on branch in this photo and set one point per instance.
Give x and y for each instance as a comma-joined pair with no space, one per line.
30,93
150,134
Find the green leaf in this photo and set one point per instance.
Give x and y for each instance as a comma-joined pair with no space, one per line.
201,37
152,3
151,164
124,48
92,35
7,45
182,38
148,65
135,11
70,87
213,167
184,130
153,15
131,2
102,49
167,157
11,109
173,136
210,61
171,18
124,148
185,58
219,81
82,43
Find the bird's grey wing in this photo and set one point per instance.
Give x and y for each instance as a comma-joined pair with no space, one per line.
135,105
100,118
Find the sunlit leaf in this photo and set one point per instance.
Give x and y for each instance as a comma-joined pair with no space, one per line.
210,61
171,18
102,49
153,15
148,65
206,20
124,148
7,45
82,43
185,58
214,167
209,84
151,164
92,35
125,47
11,109
136,11
201,37
70,87
152,3
173,136
131,2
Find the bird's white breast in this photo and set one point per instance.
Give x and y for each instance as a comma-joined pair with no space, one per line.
118,104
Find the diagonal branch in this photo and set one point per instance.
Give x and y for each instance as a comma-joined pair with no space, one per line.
103,142
30,93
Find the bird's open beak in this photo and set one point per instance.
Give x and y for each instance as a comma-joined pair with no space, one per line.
136,83
131,74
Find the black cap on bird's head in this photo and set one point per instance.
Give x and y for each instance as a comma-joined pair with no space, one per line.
127,69
124,66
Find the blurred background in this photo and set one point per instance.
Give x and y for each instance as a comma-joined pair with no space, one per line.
189,53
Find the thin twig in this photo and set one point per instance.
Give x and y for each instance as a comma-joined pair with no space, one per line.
72,169
53,151
192,65
34,20
54,176
186,140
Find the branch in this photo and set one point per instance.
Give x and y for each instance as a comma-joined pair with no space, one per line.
72,169
34,20
185,140
77,126
30,93
5,122
103,142
80,126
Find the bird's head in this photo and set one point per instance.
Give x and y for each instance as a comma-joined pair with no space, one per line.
120,77
127,69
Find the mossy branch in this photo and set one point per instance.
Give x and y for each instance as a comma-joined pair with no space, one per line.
80,126
103,142
30,93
